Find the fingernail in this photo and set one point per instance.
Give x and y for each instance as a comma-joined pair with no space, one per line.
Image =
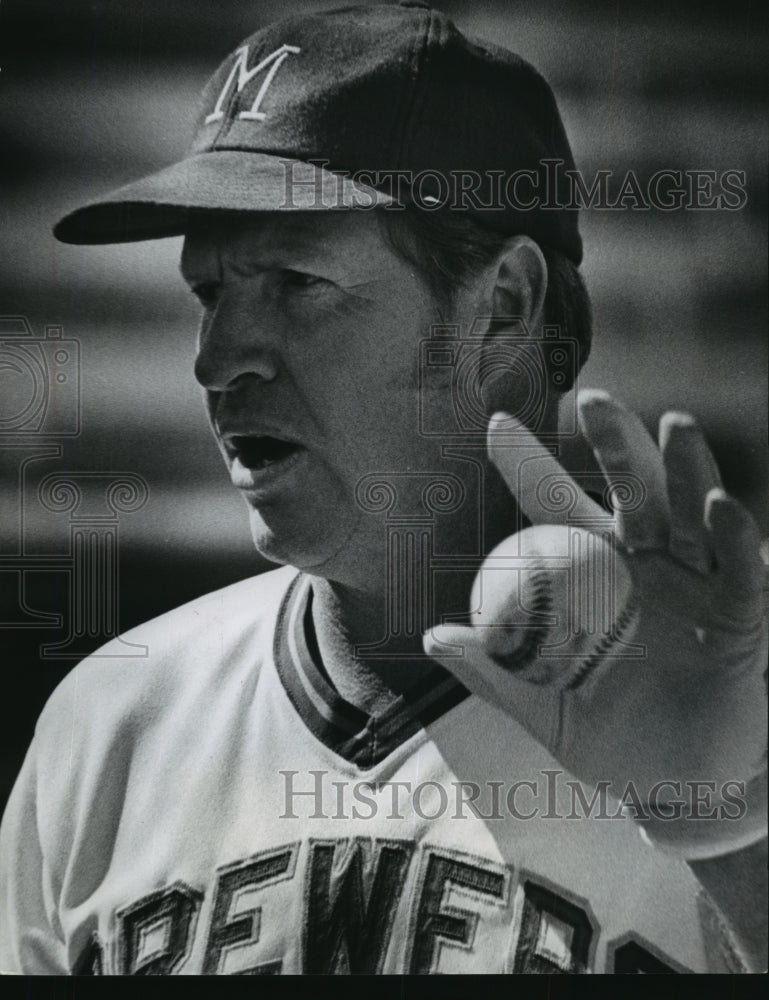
502,421
715,504
678,420
591,396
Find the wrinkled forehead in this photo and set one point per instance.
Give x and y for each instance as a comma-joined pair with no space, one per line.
291,240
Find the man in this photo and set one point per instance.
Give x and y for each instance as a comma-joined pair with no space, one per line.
295,781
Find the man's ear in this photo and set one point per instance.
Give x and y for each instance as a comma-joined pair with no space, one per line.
518,284
515,298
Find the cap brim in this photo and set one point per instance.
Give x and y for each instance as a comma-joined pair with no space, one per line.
221,180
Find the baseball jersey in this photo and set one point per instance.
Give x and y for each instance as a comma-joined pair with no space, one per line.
217,807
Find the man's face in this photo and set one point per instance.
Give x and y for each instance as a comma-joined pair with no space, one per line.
309,353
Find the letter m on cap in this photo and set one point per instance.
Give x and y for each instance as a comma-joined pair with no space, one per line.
240,75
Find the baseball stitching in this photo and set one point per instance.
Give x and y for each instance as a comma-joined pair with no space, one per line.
536,635
605,646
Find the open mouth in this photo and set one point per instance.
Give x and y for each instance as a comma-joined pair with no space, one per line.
260,452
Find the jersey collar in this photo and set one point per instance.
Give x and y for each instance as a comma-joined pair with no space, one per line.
360,738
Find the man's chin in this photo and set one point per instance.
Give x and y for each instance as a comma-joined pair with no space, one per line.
300,545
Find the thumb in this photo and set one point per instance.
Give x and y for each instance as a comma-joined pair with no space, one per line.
458,649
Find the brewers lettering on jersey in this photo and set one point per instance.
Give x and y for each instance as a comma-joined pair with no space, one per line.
484,716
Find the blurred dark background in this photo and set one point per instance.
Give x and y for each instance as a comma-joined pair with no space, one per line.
96,93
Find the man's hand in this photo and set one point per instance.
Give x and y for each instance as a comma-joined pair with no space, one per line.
691,707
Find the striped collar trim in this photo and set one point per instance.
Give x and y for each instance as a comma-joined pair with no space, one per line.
362,739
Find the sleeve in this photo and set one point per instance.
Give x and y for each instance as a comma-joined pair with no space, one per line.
736,886
31,940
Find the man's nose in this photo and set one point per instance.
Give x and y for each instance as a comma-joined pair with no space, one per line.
234,341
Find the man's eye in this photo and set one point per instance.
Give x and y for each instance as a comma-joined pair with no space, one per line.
301,279
207,293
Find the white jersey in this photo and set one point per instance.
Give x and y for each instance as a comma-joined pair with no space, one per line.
218,808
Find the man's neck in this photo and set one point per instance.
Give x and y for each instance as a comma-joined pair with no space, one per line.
369,635
368,663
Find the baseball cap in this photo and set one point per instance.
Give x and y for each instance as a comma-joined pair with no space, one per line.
359,107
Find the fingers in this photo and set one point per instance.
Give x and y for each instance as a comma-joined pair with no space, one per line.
628,455
691,473
545,492
736,544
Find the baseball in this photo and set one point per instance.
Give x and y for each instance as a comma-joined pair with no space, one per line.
553,603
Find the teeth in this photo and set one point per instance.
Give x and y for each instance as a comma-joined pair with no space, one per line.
259,452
